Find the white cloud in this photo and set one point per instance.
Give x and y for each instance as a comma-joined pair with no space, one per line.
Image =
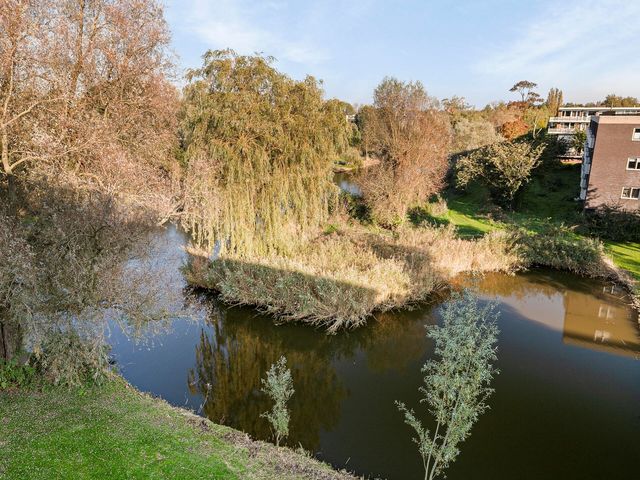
588,46
259,27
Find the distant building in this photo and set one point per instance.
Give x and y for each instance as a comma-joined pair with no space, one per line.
611,163
573,119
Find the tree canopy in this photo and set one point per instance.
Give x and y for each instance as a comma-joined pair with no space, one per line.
411,137
259,149
503,167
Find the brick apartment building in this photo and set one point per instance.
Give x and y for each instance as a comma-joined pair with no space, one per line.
611,164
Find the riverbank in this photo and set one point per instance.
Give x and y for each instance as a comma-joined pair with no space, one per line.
354,269
548,201
351,271
114,431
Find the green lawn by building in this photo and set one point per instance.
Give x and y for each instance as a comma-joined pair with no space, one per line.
548,199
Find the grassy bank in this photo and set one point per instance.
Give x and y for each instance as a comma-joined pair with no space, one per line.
113,431
548,201
343,277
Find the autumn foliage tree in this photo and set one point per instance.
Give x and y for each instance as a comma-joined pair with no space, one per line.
85,90
554,100
411,137
87,133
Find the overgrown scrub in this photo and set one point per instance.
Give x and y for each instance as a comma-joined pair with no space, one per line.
17,282
67,359
613,222
339,279
560,248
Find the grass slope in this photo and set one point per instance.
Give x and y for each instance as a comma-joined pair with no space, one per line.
115,432
549,198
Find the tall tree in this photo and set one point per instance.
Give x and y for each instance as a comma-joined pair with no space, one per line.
411,137
259,148
554,100
524,88
83,84
87,132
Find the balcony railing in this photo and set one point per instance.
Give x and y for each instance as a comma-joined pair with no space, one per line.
583,119
561,131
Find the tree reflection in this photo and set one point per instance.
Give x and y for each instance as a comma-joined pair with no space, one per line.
396,340
237,347
232,357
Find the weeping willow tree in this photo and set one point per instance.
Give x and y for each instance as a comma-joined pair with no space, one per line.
258,148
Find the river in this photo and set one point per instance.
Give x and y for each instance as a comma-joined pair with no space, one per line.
566,402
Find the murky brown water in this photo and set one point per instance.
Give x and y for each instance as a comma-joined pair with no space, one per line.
566,403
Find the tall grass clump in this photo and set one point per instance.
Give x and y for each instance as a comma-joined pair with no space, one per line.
279,386
339,279
458,384
335,281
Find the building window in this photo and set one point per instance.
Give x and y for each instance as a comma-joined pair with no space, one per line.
636,135
631,193
633,164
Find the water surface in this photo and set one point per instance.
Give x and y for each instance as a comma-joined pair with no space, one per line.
566,403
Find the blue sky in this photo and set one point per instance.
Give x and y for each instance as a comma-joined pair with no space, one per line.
476,49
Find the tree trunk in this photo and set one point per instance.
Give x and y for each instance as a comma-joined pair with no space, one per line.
10,340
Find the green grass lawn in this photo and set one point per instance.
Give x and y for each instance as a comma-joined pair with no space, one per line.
115,432
625,255
548,199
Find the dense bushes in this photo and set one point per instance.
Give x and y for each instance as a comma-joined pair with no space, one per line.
613,222
560,248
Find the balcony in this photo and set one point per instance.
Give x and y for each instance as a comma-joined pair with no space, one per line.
568,119
561,131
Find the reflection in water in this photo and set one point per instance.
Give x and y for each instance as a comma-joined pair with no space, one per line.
599,321
598,318
234,354
231,360
567,355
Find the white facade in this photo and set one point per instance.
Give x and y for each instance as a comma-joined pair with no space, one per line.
573,119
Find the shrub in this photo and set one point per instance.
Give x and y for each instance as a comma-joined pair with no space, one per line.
14,374
68,359
279,386
560,248
613,222
457,385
